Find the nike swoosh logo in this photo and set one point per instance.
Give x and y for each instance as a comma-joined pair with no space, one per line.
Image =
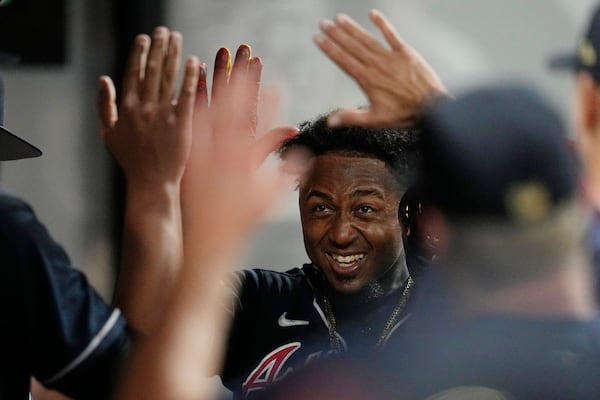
284,322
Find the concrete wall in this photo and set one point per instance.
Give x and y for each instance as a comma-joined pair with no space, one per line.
467,41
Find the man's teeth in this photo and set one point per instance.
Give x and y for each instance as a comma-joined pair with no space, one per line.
347,259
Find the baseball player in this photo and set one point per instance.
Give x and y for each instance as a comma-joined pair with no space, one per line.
524,318
55,327
584,64
355,293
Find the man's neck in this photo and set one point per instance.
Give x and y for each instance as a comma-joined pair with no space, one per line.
395,278
563,293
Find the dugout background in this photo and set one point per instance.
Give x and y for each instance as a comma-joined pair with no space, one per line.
74,187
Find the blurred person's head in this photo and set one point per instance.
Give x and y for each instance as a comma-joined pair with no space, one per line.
349,203
12,147
585,63
502,187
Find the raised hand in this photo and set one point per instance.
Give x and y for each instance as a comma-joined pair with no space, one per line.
150,134
224,196
229,143
398,82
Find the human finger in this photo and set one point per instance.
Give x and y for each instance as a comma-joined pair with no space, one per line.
201,102
189,85
240,65
134,72
345,61
270,186
369,44
346,40
252,89
269,106
106,105
171,67
220,73
270,142
354,117
388,30
154,64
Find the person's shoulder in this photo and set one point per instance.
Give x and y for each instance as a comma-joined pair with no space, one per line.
17,218
10,202
281,281
523,357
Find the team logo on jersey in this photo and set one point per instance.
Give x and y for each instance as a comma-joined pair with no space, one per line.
284,322
270,368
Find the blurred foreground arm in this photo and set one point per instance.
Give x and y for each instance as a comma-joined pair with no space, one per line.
398,82
224,197
150,137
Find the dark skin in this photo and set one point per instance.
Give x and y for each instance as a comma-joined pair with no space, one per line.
349,212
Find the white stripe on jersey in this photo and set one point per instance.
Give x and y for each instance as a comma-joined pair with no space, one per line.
91,347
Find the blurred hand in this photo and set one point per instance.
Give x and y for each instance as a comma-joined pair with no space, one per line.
150,134
224,195
229,145
398,82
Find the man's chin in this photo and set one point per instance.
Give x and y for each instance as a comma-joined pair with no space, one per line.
347,286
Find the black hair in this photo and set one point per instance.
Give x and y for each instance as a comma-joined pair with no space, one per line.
398,148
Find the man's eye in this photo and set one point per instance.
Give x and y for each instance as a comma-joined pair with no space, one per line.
321,208
366,209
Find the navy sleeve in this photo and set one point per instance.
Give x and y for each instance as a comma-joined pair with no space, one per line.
55,326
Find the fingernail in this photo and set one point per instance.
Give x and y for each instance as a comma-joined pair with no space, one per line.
318,39
334,120
326,23
159,31
202,75
141,40
223,54
243,53
375,13
342,18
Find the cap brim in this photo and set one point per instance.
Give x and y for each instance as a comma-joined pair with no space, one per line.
13,147
563,61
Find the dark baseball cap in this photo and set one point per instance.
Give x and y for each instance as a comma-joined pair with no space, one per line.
13,147
498,152
586,56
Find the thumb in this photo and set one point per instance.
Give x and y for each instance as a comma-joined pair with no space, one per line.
367,118
106,105
349,117
269,142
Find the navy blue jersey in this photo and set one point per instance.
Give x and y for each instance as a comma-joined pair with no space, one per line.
501,357
54,326
281,325
488,358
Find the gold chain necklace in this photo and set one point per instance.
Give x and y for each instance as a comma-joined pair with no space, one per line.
334,339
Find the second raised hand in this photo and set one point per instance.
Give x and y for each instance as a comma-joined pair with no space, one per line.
396,79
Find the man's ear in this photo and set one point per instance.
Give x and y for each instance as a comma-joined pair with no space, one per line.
587,109
434,231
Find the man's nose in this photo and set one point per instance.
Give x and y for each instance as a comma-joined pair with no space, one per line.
343,231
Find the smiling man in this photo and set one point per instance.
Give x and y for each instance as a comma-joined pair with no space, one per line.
354,294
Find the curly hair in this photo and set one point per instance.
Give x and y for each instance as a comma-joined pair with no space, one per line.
399,149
